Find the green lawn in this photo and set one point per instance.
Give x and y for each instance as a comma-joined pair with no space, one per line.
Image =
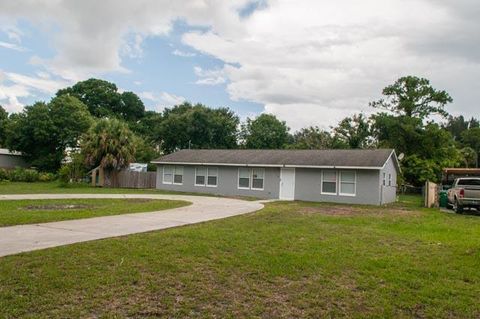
16,212
7,187
56,188
289,260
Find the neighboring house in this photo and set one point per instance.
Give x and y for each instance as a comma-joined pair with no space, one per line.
343,176
11,159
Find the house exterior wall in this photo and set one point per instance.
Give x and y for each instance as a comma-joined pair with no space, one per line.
12,161
308,187
227,182
388,192
369,187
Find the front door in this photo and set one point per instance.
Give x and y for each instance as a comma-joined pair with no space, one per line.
287,183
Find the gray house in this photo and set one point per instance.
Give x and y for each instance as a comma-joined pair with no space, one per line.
343,176
11,159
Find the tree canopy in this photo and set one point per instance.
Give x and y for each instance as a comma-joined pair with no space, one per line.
197,126
353,132
3,126
265,132
103,99
42,132
405,121
110,144
413,97
311,138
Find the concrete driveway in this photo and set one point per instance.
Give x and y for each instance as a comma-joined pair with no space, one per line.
17,239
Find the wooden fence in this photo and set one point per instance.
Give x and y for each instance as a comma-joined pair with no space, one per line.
131,179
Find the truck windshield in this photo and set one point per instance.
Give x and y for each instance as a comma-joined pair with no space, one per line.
469,182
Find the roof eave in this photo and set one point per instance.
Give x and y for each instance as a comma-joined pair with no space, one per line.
267,165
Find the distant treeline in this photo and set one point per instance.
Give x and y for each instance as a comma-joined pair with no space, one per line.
48,132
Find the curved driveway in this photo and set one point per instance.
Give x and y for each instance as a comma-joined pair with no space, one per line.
16,239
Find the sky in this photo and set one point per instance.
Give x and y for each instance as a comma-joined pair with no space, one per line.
309,62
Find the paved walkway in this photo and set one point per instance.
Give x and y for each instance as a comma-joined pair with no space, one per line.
16,239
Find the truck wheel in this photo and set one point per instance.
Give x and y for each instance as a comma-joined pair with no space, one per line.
458,207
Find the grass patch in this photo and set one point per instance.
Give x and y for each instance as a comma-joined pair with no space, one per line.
17,212
8,188
292,259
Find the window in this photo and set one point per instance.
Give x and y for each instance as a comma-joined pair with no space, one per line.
212,176
255,175
244,178
200,173
206,176
167,174
348,181
329,182
389,179
384,179
257,178
178,175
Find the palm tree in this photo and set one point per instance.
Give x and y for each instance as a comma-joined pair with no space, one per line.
110,145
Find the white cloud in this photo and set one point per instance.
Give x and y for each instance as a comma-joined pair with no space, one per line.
12,46
209,77
162,99
91,37
307,61
311,61
14,86
183,53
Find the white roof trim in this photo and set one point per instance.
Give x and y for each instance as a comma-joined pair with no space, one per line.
397,162
267,165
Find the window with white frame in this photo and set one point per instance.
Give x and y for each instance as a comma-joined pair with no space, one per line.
206,176
200,176
329,182
178,175
167,174
389,179
251,178
384,179
244,178
258,175
348,181
212,176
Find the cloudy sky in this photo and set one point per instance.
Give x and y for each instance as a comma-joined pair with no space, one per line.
310,62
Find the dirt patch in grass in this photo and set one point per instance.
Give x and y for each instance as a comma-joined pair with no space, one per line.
357,211
139,200
57,207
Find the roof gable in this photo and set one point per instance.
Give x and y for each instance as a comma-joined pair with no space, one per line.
366,159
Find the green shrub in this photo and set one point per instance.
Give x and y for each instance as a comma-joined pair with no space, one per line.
3,174
24,175
46,177
27,175
64,174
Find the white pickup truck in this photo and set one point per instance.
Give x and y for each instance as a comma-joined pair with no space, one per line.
465,193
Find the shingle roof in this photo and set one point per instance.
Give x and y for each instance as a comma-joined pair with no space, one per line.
315,158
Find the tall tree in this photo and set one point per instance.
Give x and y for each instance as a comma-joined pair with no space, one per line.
412,96
3,126
265,132
311,138
42,132
456,125
188,126
473,123
353,132
104,100
110,144
471,138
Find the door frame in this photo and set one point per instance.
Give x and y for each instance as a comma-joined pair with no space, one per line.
294,182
